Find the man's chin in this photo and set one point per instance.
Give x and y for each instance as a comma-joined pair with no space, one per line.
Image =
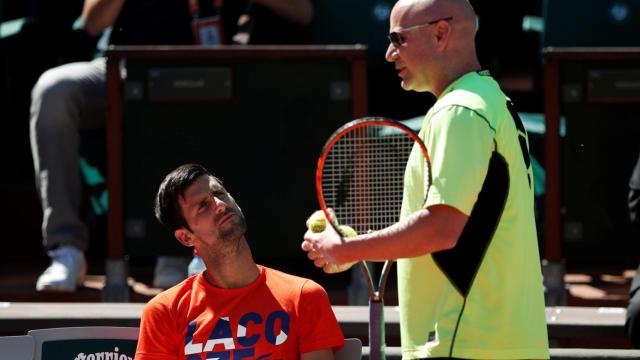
406,85
405,82
236,231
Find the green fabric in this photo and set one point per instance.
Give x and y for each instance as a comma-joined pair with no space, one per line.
14,27
78,25
535,126
96,183
502,316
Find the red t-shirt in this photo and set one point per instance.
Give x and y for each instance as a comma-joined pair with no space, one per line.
278,316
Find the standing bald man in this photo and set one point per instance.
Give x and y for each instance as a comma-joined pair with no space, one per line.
469,275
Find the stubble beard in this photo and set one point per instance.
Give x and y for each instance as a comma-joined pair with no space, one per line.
235,232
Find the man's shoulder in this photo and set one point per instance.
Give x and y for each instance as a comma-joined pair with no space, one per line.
273,274
290,282
173,295
477,93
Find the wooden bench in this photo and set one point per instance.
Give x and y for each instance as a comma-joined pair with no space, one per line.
18,318
562,321
394,353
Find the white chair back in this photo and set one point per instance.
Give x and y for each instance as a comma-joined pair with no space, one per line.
351,350
17,347
67,343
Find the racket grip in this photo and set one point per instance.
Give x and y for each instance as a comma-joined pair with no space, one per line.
377,345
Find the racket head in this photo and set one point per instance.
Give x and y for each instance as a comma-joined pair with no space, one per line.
360,173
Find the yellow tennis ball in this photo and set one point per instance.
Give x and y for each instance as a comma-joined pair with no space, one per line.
347,231
333,268
316,222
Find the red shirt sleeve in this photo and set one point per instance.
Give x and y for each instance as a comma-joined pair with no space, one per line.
157,336
319,328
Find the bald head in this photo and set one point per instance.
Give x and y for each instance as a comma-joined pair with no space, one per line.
426,10
435,42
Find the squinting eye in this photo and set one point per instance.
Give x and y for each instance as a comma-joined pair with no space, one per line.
217,193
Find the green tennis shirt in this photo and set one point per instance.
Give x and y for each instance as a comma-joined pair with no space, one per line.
484,298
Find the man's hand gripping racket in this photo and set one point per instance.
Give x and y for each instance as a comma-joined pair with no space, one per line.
359,183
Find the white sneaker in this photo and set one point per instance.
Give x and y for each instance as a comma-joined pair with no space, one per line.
169,271
68,269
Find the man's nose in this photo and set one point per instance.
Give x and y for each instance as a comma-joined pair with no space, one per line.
218,204
392,53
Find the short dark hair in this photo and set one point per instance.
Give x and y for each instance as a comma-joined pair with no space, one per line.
167,207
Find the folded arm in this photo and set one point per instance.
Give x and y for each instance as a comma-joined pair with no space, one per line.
298,11
100,14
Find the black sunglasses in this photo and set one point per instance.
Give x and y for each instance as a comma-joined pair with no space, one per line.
396,38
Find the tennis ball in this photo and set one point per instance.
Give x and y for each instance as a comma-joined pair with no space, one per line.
334,268
316,222
347,231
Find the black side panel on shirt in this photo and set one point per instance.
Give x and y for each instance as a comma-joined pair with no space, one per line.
461,263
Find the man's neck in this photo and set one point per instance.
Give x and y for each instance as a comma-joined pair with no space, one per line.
456,73
232,270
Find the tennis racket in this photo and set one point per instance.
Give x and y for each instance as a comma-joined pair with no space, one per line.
360,176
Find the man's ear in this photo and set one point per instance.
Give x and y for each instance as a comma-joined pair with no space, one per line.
443,34
184,236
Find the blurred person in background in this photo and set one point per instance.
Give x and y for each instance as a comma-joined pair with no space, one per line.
632,324
71,97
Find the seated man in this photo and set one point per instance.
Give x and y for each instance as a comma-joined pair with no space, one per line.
632,324
235,308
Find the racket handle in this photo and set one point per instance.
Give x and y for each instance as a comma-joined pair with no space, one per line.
377,345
